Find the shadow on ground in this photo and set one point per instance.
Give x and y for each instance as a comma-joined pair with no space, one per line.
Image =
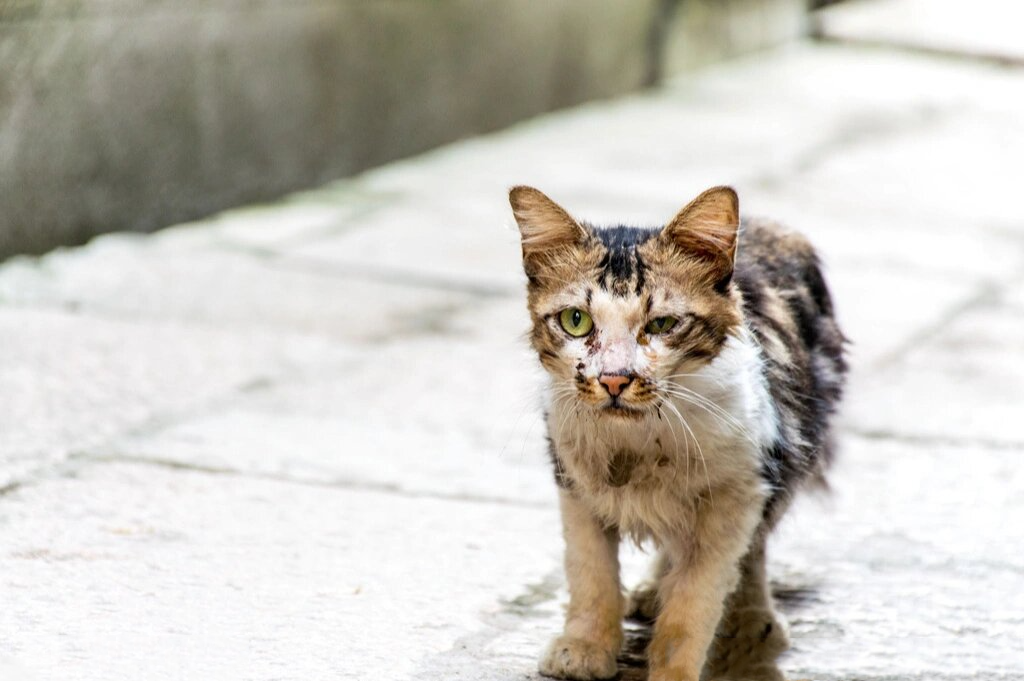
789,598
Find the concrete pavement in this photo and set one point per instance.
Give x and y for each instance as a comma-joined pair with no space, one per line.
301,440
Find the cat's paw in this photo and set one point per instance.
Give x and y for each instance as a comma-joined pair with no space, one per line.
642,603
748,651
576,658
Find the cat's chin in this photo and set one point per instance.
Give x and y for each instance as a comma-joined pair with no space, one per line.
622,411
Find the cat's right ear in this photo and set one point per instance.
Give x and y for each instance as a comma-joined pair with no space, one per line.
545,227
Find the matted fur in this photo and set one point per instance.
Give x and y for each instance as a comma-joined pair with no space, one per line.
722,418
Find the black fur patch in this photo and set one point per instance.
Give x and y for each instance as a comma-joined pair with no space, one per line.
556,464
788,309
622,269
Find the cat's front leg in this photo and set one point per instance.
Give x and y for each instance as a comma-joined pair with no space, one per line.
593,625
705,570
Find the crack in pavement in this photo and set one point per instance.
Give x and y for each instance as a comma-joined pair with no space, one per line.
856,129
331,483
985,293
470,655
381,274
932,440
819,33
11,487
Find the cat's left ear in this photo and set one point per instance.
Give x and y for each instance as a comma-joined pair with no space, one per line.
546,228
708,228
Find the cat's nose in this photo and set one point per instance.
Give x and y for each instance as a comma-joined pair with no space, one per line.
615,383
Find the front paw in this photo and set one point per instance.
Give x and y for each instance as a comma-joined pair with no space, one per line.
576,658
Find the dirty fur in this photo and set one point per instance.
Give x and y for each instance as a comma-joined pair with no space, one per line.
693,437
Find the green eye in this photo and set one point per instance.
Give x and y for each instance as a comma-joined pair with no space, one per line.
576,322
660,325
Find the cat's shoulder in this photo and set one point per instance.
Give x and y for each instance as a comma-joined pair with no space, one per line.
767,243
774,256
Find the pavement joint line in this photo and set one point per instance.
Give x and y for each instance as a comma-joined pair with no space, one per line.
844,138
335,483
933,440
157,423
357,207
11,487
101,312
984,293
819,34
511,616
377,273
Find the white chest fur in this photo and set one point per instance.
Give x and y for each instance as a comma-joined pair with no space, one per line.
650,476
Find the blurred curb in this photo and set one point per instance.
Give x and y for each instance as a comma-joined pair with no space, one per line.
156,112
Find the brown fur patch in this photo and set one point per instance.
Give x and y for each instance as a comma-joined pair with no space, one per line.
706,228
620,468
756,329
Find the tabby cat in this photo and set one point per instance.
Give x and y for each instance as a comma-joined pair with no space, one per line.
693,370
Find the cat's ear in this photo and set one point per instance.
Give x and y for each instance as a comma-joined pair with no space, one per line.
545,227
708,228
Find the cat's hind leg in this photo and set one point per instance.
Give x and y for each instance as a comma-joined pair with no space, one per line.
642,601
750,635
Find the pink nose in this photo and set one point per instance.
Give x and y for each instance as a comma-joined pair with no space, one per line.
615,384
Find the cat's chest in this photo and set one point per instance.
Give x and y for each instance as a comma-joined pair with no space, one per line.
655,453
648,477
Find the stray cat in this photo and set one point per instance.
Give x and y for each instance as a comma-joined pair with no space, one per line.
693,373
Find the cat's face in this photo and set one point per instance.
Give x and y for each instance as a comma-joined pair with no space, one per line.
619,314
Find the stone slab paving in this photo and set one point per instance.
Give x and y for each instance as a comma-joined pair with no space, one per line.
987,29
302,440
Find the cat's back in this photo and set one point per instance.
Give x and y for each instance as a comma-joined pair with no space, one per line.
780,277
788,308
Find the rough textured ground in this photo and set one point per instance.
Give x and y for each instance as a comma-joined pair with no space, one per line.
300,441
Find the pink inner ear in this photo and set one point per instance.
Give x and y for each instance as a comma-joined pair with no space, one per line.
543,224
707,227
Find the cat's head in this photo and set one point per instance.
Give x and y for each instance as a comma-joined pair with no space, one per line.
620,313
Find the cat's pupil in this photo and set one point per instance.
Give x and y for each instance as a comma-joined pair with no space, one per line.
577,317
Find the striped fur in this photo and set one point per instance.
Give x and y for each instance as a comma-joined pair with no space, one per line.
724,417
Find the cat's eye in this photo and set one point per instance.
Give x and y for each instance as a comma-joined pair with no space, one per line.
660,325
576,322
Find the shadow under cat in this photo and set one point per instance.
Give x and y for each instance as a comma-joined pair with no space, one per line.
789,598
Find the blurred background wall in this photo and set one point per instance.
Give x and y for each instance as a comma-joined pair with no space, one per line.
137,114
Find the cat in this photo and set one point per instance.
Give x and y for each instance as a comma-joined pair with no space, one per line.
694,370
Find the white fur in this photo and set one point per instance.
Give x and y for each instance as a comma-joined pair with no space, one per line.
719,446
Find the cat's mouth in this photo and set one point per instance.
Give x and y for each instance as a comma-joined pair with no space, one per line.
617,409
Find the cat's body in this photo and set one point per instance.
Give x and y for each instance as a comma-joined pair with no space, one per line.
691,389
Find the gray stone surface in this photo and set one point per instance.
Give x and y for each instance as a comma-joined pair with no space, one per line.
302,441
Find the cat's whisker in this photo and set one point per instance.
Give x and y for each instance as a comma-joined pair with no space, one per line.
675,441
742,432
731,377
699,401
686,437
703,376
564,417
676,386
515,425
536,394
709,406
700,449
686,443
